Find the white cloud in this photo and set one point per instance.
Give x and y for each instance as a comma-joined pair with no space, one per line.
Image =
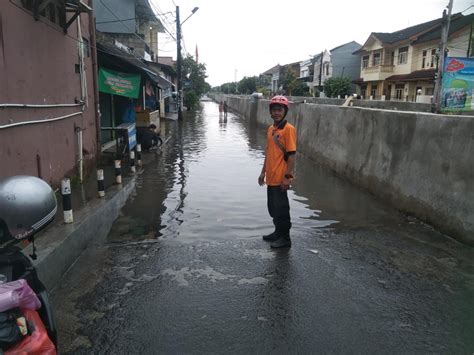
253,36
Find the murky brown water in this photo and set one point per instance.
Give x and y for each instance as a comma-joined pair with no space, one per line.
185,265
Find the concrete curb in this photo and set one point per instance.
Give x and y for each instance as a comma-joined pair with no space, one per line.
60,246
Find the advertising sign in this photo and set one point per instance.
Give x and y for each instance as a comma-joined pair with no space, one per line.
458,84
117,83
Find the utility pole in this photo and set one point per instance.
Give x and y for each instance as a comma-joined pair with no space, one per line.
235,79
321,71
178,63
442,54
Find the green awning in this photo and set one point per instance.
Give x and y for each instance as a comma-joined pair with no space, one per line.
117,83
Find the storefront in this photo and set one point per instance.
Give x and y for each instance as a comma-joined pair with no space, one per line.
129,93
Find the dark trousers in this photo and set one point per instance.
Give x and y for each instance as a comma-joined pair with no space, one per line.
279,209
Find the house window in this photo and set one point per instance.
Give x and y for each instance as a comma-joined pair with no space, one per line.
327,68
27,4
86,47
429,91
433,57
376,59
365,61
399,91
53,12
373,89
403,55
363,91
429,58
392,61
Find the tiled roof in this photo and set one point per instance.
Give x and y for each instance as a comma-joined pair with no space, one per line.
455,25
272,70
427,74
345,44
407,32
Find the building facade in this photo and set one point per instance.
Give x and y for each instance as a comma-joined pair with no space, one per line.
130,22
402,65
48,106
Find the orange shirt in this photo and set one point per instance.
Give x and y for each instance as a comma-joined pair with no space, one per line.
275,168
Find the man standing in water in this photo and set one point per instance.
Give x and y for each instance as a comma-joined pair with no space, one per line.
278,171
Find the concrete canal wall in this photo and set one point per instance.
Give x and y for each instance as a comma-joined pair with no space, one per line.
421,163
384,105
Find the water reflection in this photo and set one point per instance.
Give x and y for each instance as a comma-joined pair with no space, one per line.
215,194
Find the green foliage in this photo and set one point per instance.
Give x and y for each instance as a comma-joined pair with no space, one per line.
190,99
228,88
195,74
263,90
248,85
293,86
337,86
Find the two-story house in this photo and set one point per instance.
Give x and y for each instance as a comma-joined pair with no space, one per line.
307,72
322,70
127,42
338,62
401,65
277,75
343,63
130,22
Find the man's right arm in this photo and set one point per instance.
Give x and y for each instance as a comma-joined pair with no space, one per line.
261,178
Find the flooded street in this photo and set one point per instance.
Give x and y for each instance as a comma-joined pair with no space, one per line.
185,270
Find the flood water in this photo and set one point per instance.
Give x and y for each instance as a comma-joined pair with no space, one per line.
184,268
211,171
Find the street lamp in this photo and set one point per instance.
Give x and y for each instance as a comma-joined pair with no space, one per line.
192,13
178,57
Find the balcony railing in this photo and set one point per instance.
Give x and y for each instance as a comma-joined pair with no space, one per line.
382,68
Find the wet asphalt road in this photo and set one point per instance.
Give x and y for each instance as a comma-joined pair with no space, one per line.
184,269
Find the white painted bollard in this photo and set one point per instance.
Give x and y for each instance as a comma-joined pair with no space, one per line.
100,182
139,154
132,162
118,171
67,204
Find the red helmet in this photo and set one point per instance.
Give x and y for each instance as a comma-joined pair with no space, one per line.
281,101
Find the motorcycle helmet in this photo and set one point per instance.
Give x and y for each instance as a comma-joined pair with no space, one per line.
27,205
280,101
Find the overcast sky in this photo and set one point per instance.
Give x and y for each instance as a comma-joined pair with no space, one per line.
251,36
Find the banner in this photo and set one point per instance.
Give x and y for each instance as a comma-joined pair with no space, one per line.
116,83
458,84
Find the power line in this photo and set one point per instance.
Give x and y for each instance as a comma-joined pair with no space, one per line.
121,21
76,39
160,13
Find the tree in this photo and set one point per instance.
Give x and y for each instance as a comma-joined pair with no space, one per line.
293,86
229,88
248,85
334,87
194,81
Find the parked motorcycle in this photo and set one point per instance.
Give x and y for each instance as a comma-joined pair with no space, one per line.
27,205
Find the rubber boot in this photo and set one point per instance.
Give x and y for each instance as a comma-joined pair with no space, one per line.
270,237
283,241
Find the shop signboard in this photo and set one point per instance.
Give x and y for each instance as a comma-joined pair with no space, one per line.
117,83
458,85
